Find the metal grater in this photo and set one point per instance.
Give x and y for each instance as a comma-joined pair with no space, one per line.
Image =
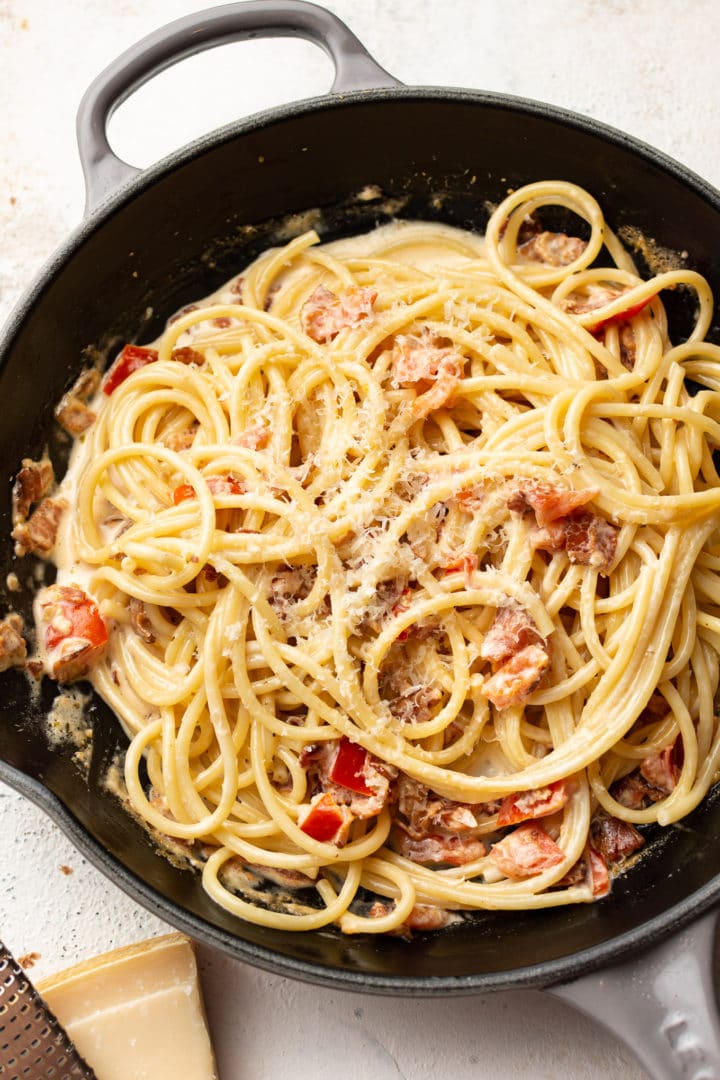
33,1045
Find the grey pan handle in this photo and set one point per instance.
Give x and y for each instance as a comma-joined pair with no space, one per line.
104,171
661,1003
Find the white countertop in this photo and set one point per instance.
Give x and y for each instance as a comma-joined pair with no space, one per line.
647,67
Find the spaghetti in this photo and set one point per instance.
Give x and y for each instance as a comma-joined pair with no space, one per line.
406,550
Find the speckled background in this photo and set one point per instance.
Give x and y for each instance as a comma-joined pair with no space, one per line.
648,67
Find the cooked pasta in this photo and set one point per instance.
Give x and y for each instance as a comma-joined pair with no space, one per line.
406,551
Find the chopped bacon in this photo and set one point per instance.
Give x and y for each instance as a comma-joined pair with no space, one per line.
411,702
34,480
324,314
218,485
426,917
599,876
13,649
383,604
512,682
511,630
130,359
628,346
525,851
614,839
180,312
465,562
280,875
424,811
86,384
632,791
539,802
73,415
325,820
222,322
180,440
590,540
425,362
553,249
75,633
451,850
253,438
547,502
39,533
187,355
354,777
294,583
140,620
661,770
599,296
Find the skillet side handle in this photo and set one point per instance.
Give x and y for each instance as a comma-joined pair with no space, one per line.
661,1004
104,171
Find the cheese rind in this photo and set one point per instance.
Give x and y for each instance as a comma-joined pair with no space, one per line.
136,1012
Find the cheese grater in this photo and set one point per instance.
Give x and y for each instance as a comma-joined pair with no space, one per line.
33,1045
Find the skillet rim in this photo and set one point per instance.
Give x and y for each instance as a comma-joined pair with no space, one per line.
541,974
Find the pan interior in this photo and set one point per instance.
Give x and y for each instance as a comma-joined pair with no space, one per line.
191,224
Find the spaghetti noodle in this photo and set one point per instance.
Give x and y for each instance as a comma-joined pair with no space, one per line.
406,548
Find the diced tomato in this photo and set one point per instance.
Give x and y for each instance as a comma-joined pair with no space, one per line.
79,617
525,851
75,633
348,767
130,359
324,820
599,876
622,316
537,803
218,485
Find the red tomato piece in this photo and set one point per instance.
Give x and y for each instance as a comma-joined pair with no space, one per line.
466,562
539,802
130,359
325,821
218,485
525,851
348,767
79,617
599,876
622,316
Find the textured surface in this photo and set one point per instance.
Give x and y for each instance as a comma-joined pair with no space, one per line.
626,64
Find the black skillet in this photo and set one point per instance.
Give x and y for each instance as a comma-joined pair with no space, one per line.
150,243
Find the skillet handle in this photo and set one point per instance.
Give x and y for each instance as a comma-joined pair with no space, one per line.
661,1003
104,171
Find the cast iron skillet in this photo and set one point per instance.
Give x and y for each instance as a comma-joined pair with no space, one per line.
154,241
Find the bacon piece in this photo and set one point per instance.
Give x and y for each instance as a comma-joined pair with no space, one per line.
599,876
294,583
187,355
253,438
180,312
130,359
73,415
512,682
39,533
34,480
628,346
511,630
383,604
426,812
424,361
590,540
325,821
280,875
614,839
548,502
75,633
13,648
450,850
660,770
427,917
410,701
354,777
553,249
598,297
633,791
140,621
525,851
539,802
324,314
465,562
181,440
218,485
